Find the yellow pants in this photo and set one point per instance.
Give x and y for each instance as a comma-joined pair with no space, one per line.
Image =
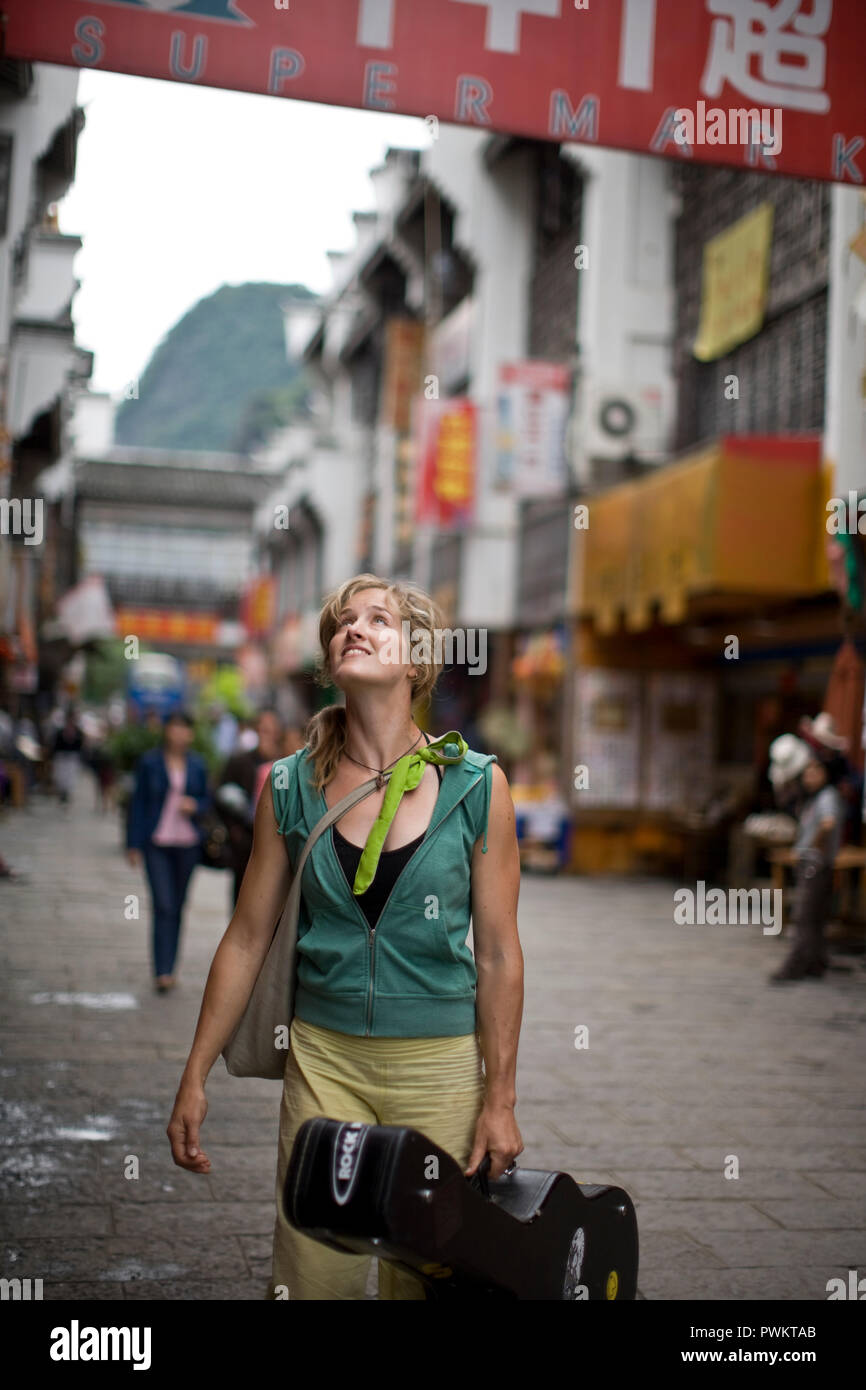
435,1085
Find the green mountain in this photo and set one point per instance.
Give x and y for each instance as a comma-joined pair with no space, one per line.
219,380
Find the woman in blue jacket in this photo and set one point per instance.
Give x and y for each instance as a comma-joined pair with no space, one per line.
170,791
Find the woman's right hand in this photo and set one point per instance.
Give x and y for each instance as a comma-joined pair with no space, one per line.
134,857
187,1117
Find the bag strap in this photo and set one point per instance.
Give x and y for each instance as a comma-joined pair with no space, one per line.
332,814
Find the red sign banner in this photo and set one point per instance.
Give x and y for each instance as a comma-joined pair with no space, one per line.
775,85
168,625
258,605
447,433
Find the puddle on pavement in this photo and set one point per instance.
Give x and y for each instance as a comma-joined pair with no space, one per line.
20,1119
83,1134
87,1001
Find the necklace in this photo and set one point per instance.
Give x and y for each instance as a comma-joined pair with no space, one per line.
380,780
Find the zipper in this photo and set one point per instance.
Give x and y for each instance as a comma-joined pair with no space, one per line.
370,991
372,935
371,931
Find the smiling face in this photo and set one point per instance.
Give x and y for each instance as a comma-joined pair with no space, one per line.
365,648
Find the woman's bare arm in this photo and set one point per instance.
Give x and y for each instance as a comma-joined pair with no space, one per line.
233,973
499,991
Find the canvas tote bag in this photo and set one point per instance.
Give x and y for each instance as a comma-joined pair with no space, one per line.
252,1049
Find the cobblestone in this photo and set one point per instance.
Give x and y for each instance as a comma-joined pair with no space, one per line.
692,1062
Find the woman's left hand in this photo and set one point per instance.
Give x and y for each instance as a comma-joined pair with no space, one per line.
188,805
496,1133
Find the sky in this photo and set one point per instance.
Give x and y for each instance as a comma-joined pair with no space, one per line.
179,190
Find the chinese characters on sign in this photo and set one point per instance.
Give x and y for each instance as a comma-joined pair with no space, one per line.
447,436
613,72
786,46
734,286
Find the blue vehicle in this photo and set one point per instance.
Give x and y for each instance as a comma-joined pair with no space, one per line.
156,684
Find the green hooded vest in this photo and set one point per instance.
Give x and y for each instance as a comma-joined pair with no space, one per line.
413,975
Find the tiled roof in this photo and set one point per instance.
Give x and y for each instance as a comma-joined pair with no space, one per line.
172,481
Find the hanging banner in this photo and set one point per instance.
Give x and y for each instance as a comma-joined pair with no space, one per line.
736,273
531,414
447,444
744,82
258,605
402,373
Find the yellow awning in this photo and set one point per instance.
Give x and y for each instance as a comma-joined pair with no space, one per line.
743,516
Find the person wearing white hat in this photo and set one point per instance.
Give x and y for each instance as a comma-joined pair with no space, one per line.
789,757
820,733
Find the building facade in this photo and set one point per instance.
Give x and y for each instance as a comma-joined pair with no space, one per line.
41,369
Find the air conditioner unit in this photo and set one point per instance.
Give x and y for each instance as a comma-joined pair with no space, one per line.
615,422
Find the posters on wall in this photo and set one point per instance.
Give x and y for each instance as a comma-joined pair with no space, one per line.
643,739
607,738
532,405
680,740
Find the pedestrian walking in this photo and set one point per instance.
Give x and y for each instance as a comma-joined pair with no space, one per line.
224,730
393,1016
100,761
249,770
819,836
170,790
66,748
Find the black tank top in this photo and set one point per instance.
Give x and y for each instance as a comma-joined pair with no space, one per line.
390,866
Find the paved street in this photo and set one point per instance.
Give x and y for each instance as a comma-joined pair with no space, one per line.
693,1062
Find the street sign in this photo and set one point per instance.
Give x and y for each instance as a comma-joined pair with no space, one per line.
750,83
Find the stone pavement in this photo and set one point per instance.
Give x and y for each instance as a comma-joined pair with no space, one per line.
693,1061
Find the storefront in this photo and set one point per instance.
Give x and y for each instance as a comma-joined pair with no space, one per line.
704,623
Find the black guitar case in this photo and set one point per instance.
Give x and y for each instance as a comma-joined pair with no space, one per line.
389,1191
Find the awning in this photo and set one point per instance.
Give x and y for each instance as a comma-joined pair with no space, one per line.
743,517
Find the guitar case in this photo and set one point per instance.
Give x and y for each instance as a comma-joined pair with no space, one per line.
389,1191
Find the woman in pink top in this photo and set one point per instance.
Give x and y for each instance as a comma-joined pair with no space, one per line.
170,792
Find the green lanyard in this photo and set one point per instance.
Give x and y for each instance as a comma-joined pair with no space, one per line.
405,776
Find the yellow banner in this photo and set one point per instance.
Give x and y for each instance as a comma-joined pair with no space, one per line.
736,271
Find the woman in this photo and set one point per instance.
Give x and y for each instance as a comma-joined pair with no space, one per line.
389,1026
170,789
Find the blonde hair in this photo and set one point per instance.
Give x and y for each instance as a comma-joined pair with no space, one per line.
326,731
